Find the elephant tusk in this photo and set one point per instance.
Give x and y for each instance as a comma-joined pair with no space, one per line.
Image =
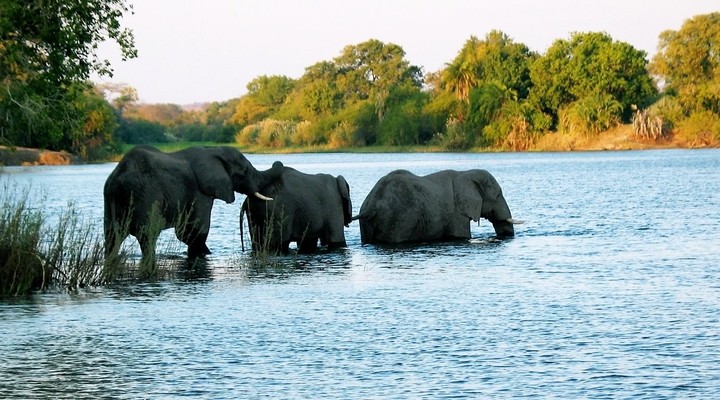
514,221
262,197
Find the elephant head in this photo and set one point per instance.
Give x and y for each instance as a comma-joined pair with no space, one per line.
478,195
222,171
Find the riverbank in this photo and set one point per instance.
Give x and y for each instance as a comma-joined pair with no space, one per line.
619,138
24,156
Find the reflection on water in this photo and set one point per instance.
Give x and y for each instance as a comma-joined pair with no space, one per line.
608,290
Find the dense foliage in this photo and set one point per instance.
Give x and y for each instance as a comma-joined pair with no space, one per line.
688,66
494,93
47,53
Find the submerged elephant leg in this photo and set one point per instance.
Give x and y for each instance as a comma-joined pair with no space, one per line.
195,238
308,245
194,226
148,262
198,246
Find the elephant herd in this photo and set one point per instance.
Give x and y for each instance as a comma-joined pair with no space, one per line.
150,190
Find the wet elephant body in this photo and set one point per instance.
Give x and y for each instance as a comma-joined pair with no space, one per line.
404,208
306,209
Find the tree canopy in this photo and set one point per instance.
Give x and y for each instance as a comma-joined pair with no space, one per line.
591,65
688,62
47,51
495,92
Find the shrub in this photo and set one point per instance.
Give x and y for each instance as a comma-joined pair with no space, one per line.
701,128
454,138
590,115
649,125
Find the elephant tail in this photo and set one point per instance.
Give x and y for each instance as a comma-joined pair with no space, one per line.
357,217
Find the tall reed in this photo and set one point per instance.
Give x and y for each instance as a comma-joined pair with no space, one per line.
35,255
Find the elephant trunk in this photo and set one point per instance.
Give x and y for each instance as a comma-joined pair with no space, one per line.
501,218
504,228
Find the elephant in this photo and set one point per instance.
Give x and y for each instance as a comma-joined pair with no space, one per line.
306,208
150,190
405,208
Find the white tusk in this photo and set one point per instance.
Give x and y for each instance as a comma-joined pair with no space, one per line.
514,221
261,197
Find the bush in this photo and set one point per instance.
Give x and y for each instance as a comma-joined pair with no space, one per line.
649,125
268,133
590,115
21,264
455,137
516,126
700,129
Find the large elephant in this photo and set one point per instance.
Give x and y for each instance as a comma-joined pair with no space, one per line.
179,188
403,207
306,208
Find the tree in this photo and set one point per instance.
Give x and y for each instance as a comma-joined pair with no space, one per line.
404,122
94,138
497,59
120,95
266,94
47,47
591,64
688,63
369,70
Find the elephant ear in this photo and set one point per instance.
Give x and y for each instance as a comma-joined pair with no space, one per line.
213,178
344,190
468,196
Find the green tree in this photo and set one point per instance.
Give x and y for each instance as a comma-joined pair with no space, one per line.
316,95
47,47
404,122
369,70
266,95
688,63
497,59
94,138
591,64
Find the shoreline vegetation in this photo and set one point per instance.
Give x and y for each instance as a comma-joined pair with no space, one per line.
616,139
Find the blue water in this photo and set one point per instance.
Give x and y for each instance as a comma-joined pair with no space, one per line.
611,289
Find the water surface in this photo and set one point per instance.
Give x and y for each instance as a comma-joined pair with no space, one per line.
611,289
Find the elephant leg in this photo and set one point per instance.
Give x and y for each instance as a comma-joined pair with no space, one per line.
148,262
194,231
308,245
336,238
337,245
195,239
114,237
198,246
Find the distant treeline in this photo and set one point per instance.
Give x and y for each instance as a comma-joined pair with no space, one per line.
496,93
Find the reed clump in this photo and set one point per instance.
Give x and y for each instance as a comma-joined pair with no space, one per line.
36,255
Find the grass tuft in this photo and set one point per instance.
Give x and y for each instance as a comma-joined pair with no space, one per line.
37,256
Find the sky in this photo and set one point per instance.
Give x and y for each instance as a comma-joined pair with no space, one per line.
194,51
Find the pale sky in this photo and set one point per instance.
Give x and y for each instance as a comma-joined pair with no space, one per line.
208,50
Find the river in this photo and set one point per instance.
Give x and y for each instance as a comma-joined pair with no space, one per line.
611,289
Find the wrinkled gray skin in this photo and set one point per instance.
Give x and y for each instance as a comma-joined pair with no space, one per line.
306,208
404,208
183,185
